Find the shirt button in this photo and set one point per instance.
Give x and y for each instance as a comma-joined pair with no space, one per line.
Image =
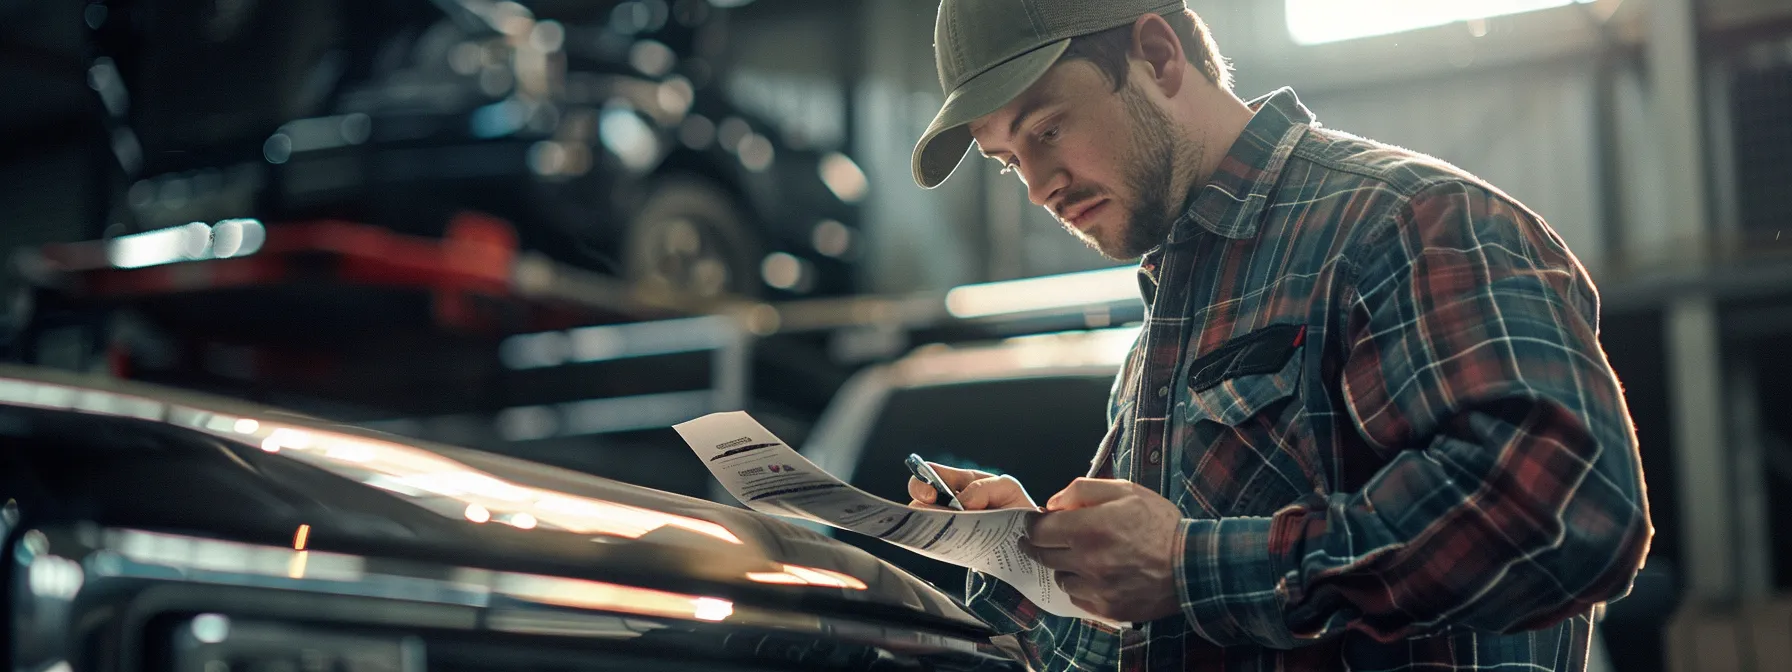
1155,455
1163,391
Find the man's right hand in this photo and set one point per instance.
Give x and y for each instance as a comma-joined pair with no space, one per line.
977,490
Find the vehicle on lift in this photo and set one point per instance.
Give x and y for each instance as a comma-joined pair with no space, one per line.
151,530
598,129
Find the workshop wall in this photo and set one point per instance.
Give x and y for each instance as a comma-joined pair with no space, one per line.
1519,109
1529,132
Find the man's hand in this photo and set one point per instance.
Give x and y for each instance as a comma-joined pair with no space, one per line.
976,490
1113,543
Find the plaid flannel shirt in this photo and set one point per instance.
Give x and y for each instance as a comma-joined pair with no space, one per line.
1373,385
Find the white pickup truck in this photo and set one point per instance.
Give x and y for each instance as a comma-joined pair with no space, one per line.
1033,407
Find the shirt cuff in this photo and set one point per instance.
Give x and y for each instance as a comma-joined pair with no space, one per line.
998,604
1229,584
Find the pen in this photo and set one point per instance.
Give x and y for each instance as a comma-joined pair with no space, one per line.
924,471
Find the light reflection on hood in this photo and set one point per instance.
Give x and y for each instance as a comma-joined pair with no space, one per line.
435,482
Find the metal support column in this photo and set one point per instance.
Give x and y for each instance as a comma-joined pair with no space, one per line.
1695,366
1754,529
1701,457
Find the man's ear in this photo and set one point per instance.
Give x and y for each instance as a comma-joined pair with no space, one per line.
1155,43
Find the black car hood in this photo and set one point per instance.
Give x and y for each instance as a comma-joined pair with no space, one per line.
133,456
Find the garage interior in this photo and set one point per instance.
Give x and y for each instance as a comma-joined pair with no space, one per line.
668,208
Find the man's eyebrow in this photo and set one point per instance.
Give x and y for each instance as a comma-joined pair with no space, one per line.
1029,109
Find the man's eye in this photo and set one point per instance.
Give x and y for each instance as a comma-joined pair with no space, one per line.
1050,135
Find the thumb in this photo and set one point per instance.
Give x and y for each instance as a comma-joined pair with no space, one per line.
1087,492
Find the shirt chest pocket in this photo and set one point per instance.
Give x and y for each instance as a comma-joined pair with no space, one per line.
1243,432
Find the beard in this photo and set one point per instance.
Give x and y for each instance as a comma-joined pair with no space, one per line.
1151,175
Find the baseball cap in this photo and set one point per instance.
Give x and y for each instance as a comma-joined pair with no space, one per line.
989,51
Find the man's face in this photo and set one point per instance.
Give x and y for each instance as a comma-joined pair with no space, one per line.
1102,162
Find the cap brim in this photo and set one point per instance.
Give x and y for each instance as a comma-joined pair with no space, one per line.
943,146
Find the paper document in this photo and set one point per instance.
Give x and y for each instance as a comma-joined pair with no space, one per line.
769,477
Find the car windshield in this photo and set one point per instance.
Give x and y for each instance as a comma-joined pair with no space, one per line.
1041,430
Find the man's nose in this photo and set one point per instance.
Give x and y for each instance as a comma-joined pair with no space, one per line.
1042,181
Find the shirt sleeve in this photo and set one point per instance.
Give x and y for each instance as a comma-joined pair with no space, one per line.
1051,643
1512,497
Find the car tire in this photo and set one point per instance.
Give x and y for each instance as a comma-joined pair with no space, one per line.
691,237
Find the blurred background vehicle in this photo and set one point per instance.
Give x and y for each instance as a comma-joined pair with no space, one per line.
597,129
1029,407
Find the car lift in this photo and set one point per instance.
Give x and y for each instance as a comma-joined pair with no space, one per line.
467,340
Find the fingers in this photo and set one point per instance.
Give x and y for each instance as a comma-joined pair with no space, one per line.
976,490
1073,584
1069,529
1058,558
1082,592
994,492
1087,492
958,479
921,492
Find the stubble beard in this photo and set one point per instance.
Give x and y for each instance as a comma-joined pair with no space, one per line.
1151,175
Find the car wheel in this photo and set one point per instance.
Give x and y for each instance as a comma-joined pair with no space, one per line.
691,237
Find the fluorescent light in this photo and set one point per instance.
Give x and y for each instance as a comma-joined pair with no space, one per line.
622,341
161,246
191,242
622,414
1070,290
1321,21
602,416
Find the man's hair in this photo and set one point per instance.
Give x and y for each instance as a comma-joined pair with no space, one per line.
1108,50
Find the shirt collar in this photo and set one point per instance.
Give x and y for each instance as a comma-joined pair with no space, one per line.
1232,201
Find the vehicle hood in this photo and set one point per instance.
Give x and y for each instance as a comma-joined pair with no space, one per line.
139,457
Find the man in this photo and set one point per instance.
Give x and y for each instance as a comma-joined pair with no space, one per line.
1367,424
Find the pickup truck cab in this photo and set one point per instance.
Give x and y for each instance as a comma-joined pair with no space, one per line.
1033,407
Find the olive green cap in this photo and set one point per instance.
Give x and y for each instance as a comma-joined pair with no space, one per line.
990,51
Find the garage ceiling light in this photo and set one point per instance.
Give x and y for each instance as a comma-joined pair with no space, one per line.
1055,292
1321,21
191,242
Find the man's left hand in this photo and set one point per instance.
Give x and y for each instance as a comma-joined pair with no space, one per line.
1113,544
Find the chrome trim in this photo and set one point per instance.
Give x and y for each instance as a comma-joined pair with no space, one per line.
173,572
